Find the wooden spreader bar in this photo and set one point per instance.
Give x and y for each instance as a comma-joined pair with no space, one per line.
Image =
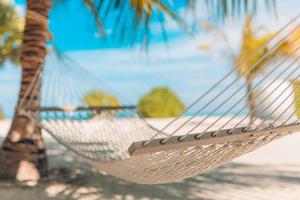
226,135
78,108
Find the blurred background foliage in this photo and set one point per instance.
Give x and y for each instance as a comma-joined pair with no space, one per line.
291,43
2,116
248,64
296,85
264,56
250,67
160,102
100,98
11,31
251,42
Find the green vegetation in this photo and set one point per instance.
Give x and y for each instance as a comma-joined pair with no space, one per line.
256,63
99,98
160,102
249,67
296,85
289,46
11,31
2,116
291,43
251,43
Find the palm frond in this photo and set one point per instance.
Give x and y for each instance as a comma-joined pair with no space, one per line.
95,11
251,43
131,18
221,9
291,43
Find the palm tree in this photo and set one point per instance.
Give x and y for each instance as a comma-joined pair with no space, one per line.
246,67
23,155
256,63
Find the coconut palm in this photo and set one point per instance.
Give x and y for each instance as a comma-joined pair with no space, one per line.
250,67
256,63
23,155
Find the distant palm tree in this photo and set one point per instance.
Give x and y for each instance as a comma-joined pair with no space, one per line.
23,155
251,43
11,30
250,67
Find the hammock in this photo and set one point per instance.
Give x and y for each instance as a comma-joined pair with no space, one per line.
118,141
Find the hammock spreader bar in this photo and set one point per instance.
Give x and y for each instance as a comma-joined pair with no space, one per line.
208,138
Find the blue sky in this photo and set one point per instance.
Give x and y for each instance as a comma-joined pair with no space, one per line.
182,67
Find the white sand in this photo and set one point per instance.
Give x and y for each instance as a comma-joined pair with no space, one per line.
271,172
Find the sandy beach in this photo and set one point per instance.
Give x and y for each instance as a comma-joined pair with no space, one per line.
271,172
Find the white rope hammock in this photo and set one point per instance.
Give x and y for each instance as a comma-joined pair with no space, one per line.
116,140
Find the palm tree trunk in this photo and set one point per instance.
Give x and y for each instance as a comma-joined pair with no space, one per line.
22,154
251,101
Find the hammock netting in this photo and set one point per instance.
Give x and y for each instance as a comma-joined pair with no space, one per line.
118,141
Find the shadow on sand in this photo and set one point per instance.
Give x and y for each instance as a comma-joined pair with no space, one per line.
72,178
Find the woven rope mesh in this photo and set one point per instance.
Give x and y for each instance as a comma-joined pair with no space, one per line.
103,132
100,138
177,164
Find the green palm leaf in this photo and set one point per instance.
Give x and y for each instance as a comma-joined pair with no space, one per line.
132,17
